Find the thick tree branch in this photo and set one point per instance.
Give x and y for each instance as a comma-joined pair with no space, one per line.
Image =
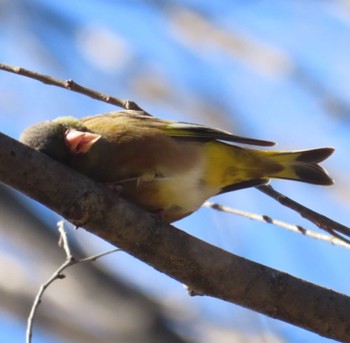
204,268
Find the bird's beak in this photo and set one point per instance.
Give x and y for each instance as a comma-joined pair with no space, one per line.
79,142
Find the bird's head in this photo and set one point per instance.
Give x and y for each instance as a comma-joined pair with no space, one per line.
60,138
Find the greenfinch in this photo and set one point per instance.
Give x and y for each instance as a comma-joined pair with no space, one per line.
168,168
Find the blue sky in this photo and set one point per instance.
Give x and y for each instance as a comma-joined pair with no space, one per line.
276,70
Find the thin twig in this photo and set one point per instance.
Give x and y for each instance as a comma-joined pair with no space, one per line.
70,261
267,219
93,258
323,222
72,86
63,240
56,275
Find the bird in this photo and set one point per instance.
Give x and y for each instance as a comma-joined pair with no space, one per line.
169,168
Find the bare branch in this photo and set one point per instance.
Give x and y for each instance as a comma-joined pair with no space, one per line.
56,275
318,219
72,86
267,219
63,241
205,269
97,256
70,261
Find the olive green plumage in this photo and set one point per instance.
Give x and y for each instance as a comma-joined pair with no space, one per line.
168,168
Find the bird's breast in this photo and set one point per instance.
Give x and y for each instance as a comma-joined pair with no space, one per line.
171,195
159,173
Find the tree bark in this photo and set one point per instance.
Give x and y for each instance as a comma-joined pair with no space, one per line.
203,268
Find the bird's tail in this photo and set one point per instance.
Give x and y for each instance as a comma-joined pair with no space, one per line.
301,165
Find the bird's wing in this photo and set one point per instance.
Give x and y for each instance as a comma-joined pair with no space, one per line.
199,132
182,130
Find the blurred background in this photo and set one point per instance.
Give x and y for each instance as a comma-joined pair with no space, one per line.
276,70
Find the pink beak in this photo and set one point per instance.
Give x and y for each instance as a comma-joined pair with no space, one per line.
80,142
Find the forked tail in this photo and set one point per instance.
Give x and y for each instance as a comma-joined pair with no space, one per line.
303,166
